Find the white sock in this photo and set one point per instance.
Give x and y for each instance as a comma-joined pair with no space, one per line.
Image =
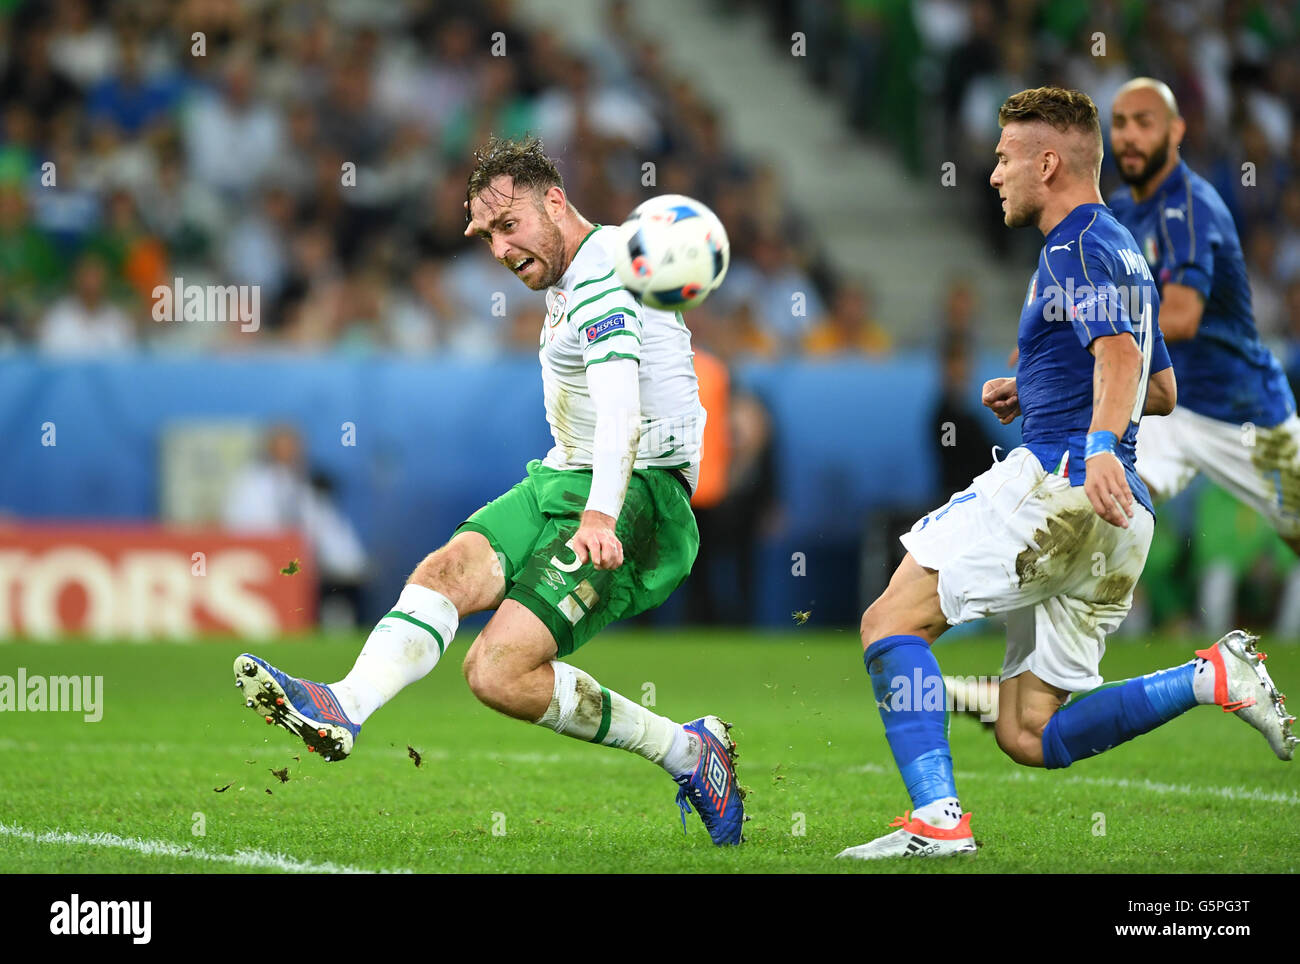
404,647
583,709
943,814
1203,680
683,755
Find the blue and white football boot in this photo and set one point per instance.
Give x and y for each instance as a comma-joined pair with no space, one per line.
712,787
306,709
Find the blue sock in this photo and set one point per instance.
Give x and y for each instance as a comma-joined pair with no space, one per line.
909,692
1115,713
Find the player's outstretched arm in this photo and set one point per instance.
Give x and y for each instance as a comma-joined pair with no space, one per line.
1181,308
1116,376
1002,398
1162,393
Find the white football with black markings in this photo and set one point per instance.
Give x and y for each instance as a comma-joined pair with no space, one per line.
673,252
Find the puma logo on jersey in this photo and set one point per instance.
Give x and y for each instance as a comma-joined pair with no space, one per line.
1060,247
1178,213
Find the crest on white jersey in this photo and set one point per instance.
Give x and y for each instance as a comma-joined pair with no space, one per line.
558,304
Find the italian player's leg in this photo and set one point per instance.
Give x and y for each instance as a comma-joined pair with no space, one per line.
897,631
512,667
463,577
1042,725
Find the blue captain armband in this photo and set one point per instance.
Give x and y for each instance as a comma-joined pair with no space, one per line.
1099,443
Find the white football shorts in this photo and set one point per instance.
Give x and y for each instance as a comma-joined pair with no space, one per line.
1257,466
1026,543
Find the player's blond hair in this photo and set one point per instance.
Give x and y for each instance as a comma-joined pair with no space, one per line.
1064,110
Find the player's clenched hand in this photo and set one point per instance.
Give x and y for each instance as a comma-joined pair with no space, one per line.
1107,489
1000,395
596,539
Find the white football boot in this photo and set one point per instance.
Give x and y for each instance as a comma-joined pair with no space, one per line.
916,838
1242,686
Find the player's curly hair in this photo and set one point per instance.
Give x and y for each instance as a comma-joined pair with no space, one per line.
523,161
1063,109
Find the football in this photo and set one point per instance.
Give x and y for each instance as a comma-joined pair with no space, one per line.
673,252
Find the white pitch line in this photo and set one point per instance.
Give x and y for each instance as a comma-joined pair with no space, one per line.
161,848
1250,794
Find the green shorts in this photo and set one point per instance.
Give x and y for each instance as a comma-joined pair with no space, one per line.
529,526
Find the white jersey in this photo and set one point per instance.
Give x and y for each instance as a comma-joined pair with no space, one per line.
591,318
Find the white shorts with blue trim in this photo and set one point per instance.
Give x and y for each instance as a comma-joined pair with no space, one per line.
1026,543
1259,467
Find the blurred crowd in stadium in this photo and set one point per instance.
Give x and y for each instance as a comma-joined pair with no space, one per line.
320,152
928,77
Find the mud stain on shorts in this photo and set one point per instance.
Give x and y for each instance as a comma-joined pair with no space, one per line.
1057,540
1113,589
1274,456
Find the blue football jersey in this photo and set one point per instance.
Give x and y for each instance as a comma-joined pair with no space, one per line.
1188,237
1091,281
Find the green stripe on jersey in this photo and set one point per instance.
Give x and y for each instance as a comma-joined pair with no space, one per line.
605,708
607,291
593,281
615,333
425,626
594,229
613,311
610,357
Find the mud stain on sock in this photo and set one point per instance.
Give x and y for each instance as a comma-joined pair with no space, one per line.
590,706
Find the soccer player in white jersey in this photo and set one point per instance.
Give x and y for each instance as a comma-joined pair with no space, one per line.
600,529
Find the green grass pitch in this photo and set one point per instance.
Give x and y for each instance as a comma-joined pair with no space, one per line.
1203,794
